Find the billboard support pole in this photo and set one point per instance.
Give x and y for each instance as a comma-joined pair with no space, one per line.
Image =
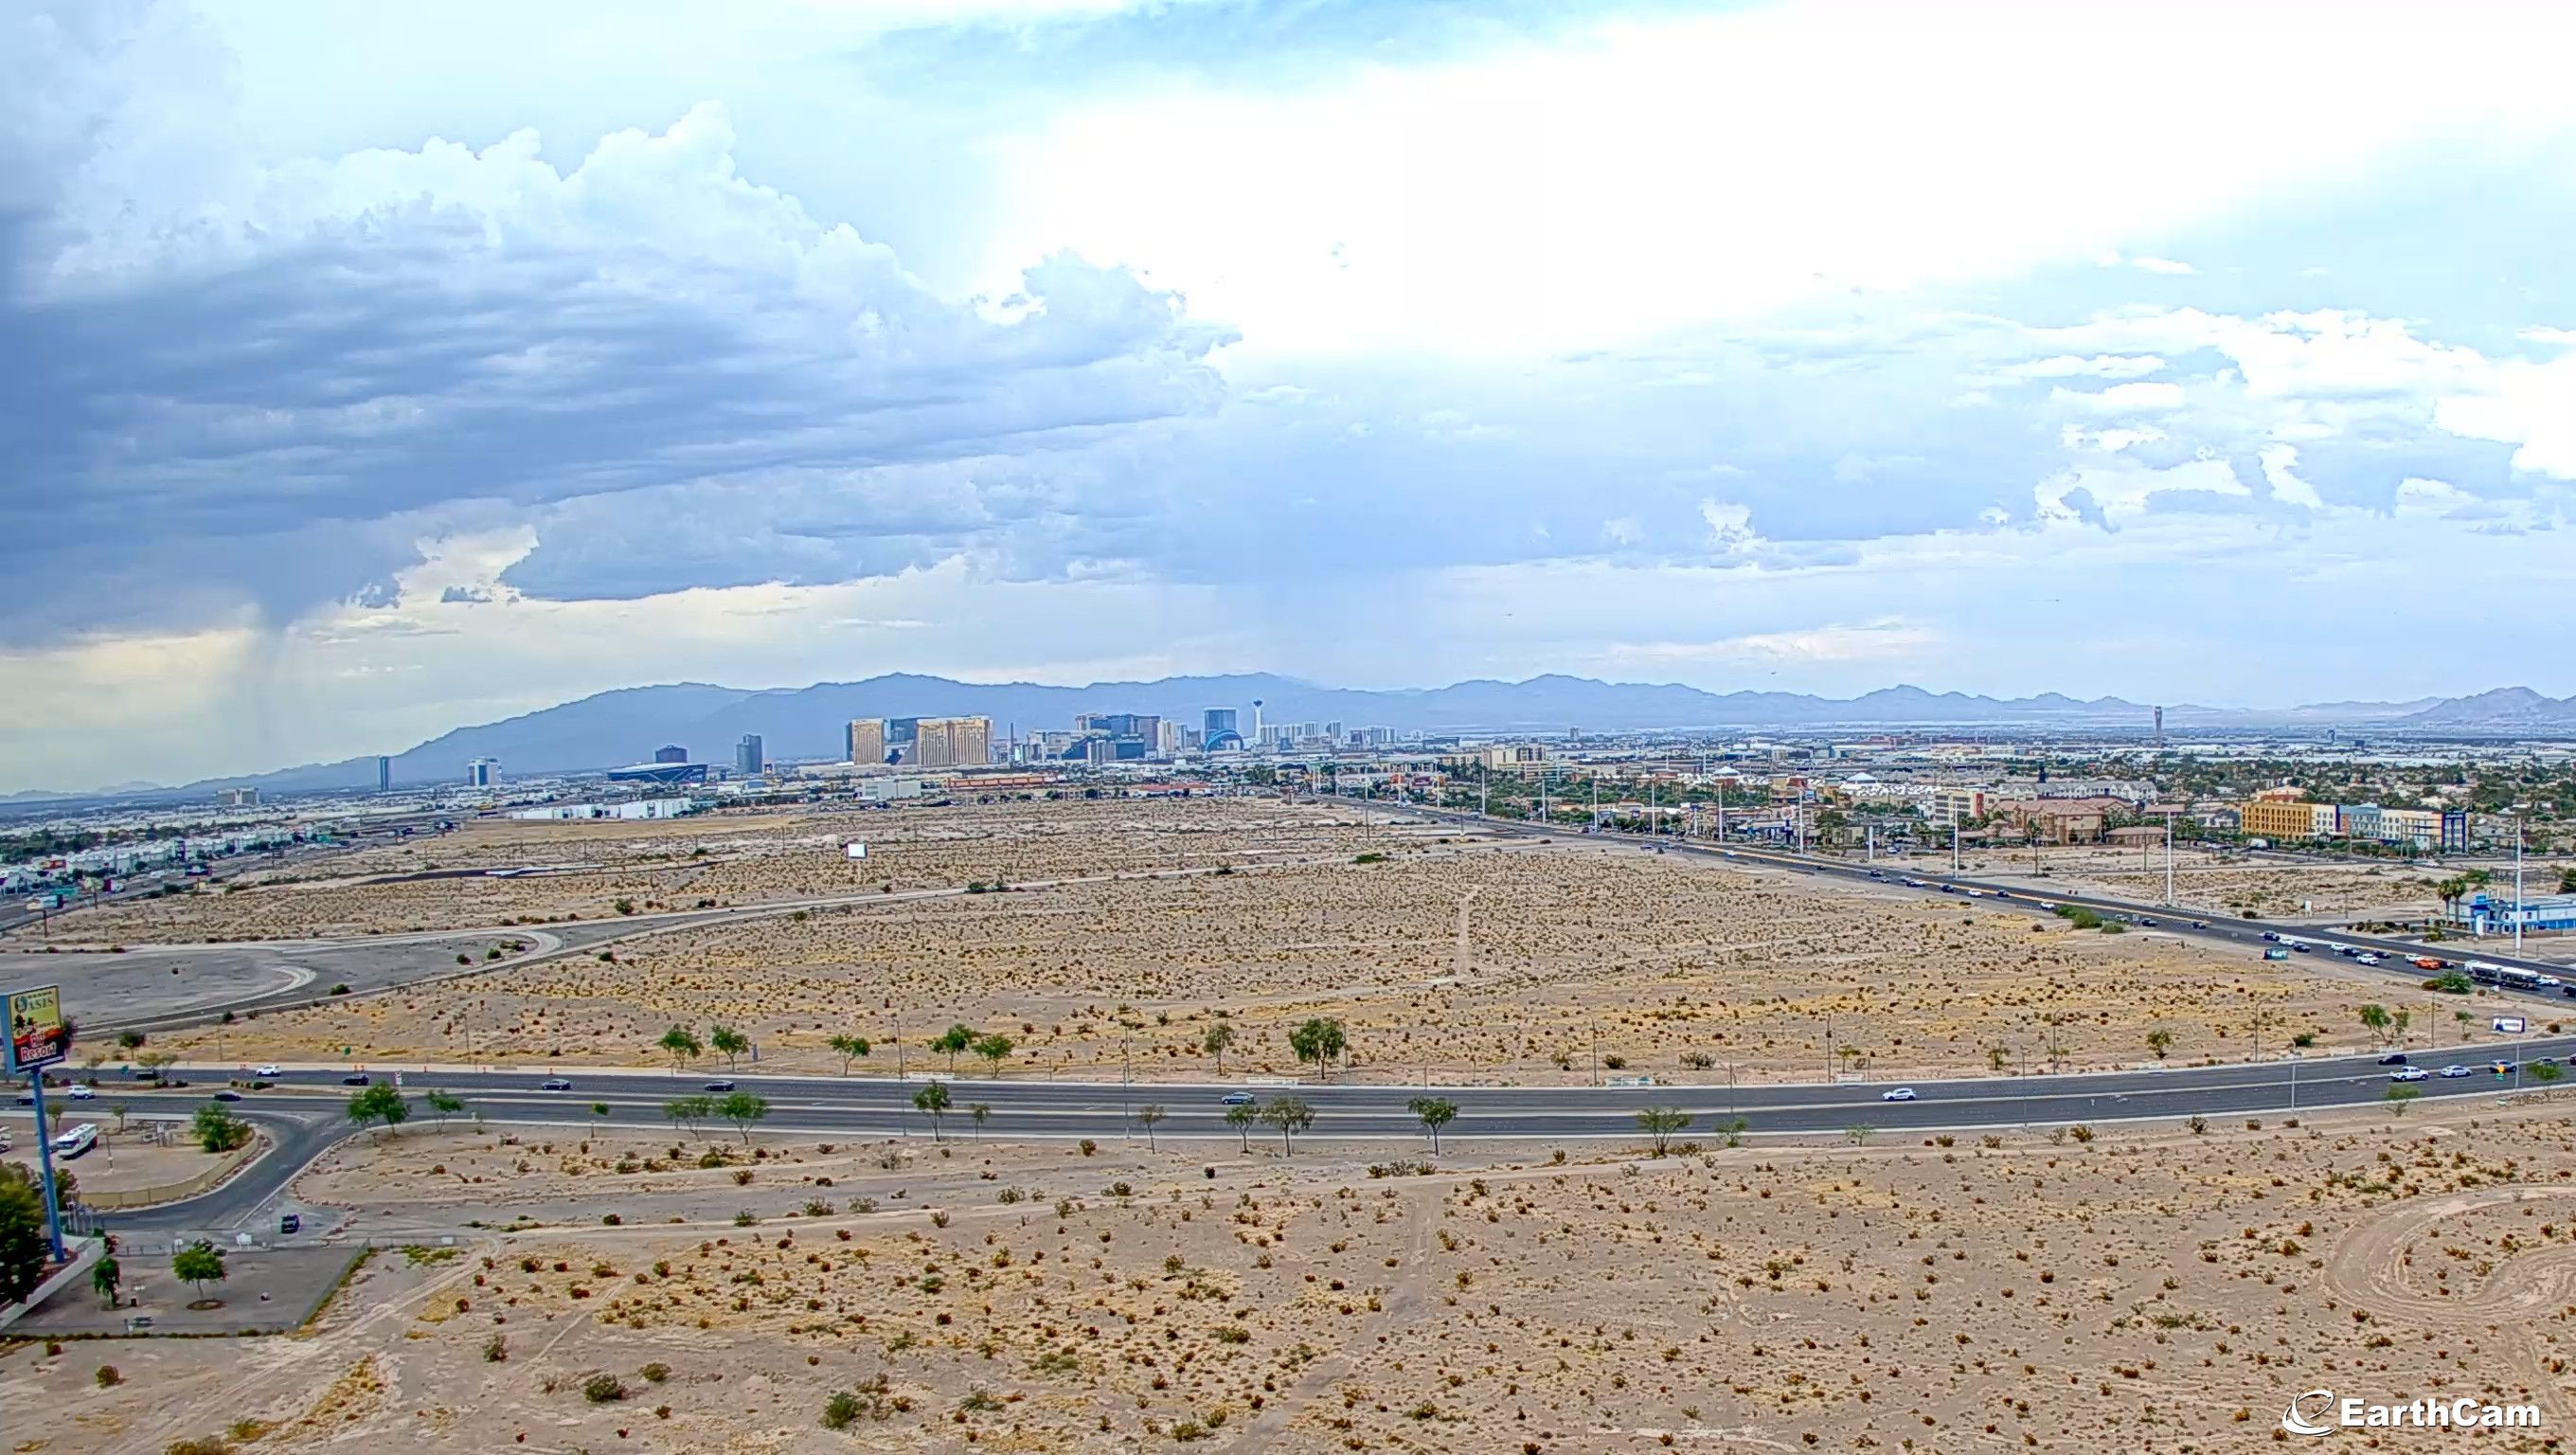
45,1168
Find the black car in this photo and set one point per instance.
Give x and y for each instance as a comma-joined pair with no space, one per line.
2393,1058
719,1086
354,1078
556,1083
228,1095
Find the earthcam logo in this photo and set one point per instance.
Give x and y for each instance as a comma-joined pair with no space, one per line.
2319,1412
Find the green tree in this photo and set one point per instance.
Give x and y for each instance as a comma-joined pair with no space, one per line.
742,1109
932,1100
979,1112
1241,1119
104,1278
849,1048
23,1246
689,1111
1218,1040
957,1038
1321,1041
1433,1112
682,1044
2543,1072
2160,1041
216,1129
444,1104
379,1103
2376,1020
1996,1056
995,1049
1146,1117
1659,1123
2397,1098
729,1041
1291,1116
197,1265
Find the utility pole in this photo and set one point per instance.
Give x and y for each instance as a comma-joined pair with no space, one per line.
1954,838
2169,864
1829,1050
1480,790
45,1168
2517,897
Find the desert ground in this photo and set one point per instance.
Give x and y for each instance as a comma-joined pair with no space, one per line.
2139,1290
1581,958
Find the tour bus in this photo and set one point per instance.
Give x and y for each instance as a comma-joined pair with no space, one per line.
2482,971
76,1141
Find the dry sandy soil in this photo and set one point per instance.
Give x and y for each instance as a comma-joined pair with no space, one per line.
2153,1292
2219,883
722,859
1680,969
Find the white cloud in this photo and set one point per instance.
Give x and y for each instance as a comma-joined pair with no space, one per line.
2163,265
2100,366
2280,465
2529,405
2147,396
1884,640
1515,199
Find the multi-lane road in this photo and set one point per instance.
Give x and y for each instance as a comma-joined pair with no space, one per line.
305,1111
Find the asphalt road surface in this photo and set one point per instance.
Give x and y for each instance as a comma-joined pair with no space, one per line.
306,1111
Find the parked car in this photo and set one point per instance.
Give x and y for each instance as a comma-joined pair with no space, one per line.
2410,1073
1901,1093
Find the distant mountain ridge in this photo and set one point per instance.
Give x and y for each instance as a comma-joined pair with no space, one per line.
626,725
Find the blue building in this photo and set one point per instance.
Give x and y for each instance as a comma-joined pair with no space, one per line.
2483,913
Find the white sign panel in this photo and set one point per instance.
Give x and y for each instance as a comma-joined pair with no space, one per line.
856,848
2509,1025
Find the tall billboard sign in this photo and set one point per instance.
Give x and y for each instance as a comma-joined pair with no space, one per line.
36,1033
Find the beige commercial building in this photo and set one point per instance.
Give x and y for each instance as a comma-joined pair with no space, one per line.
867,742
953,742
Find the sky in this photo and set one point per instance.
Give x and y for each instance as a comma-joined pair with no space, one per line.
380,369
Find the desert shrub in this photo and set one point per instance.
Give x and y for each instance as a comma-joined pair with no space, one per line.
603,1389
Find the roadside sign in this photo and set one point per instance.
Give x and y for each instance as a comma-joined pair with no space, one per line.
2509,1025
36,1036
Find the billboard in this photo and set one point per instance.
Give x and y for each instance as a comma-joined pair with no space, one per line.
36,1033
2509,1025
856,848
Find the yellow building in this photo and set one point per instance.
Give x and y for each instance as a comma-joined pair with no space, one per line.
2276,818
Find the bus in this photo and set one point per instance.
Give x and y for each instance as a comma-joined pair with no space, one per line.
76,1141
2511,978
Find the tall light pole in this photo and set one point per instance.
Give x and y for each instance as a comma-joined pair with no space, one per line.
2517,879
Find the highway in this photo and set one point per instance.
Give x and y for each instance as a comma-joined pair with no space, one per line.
306,1110
2244,933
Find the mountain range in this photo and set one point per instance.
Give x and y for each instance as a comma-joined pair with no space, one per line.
627,725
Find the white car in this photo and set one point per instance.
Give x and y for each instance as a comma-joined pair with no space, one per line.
268,1071
2410,1073
82,1093
2365,958
2454,1073
1902,1093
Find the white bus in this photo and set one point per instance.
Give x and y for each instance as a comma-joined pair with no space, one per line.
76,1141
